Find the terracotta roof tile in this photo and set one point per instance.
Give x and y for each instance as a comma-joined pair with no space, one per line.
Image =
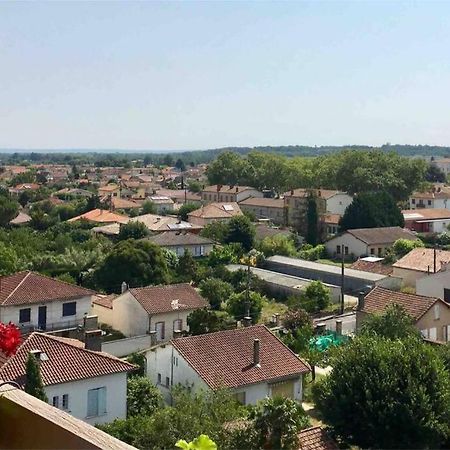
422,260
373,267
316,438
28,287
159,299
172,238
382,235
264,202
227,189
66,361
378,299
101,216
217,211
104,300
225,358
424,214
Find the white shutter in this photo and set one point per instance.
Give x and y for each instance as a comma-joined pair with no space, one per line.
433,334
424,333
102,401
448,333
92,406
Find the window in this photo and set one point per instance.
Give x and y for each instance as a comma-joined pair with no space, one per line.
69,309
65,401
445,333
167,381
429,202
338,249
436,311
424,333
177,324
413,201
380,251
96,402
159,378
55,401
24,315
372,251
433,334
346,250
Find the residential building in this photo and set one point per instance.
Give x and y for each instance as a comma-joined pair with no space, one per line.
438,197
331,224
21,219
372,264
110,191
265,208
89,385
366,241
159,310
125,204
296,204
315,438
181,196
159,224
418,263
219,193
162,203
251,361
24,187
431,315
435,284
101,216
214,212
34,301
443,164
432,220
29,423
182,241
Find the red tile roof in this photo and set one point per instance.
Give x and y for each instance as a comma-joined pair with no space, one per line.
373,267
66,361
378,299
104,300
382,235
264,202
28,287
161,299
422,260
225,358
316,438
101,216
217,211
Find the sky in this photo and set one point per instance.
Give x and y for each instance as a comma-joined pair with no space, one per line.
197,75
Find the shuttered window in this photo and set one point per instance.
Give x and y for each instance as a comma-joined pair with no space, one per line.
96,402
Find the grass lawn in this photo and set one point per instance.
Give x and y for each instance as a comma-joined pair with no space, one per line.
333,262
271,308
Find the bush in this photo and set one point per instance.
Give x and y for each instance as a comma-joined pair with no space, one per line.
143,397
215,291
239,306
311,253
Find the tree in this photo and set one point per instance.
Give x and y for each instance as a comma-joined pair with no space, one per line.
312,218
187,266
148,207
242,231
143,397
434,175
180,165
138,263
133,230
240,305
215,291
296,318
168,160
386,393
225,254
203,442
402,247
195,186
201,321
278,422
317,294
277,245
8,210
33,380
394,323
217,231
185,210
227,168
139,360
9,262
372,210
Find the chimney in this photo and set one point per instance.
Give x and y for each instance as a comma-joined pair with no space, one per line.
219,187
339,327
247,321
277,319
176,334
93,341
321,327
124,287
39,355
360,301
256,347
292,191
90,323
152,337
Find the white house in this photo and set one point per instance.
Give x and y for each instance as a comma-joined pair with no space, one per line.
34,301
435,284
89,385
366,241
251,361
159,310
182,241
336,201
228,194
427,220
214,212
438,197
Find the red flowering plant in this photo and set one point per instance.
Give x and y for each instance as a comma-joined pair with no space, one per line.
9,338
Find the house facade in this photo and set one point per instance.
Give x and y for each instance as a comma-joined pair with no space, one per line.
265,208
251,362
219,193
435,284
214,212
89,385
34,301
156,310
428,220
180,242
438,197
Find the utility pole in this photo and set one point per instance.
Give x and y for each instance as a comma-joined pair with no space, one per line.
342,278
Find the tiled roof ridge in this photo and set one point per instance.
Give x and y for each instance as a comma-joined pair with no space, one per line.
159,286
381,288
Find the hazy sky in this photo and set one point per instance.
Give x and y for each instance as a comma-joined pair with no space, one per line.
185,75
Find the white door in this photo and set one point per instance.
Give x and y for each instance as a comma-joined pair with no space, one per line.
159,331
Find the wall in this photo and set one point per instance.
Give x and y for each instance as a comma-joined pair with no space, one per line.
276,215
168,319
355,246
116,397
124,347
428,321
433,285
409,277
202,250
338,203
105,315
129,316
54,313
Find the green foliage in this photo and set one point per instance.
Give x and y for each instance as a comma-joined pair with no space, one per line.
240,305
185,210
394,323
148,207
195,186
187,267
296,318
277,245
372,210
9,261
171,258
278,422
311,253
139,360
33,379
386,393
225,254
201,321
133,230
203,442
434,175
318,295
403,246
242,231
25,177
143,397
215,291
312,234
138,263
217,231
8,210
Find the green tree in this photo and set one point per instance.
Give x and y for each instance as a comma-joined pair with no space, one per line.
185,210
242,231
372,210
201,321
179,164
148,207
9,261
33,380
217,231
296,318
317,294
138,263
8,210
139,360
386,393
195,186
203,442
225,254
215,291
187,267
240,305
143,397
312,219
227,168
133,230
434,175
277,245
278,422
402,247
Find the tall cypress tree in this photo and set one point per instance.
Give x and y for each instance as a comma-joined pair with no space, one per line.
312,221
33,384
